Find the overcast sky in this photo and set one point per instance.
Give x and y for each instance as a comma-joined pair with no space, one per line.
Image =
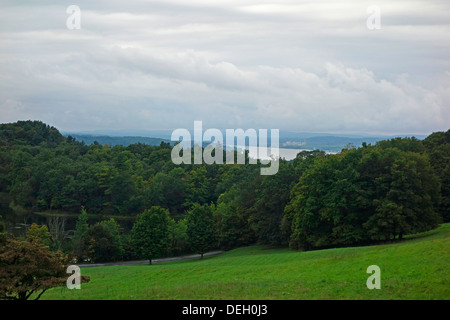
309,66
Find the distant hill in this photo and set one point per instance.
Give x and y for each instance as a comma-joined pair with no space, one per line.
331,142
160,134
287,139
29,133
113,141
327,143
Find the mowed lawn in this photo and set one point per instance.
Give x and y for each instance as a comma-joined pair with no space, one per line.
416,268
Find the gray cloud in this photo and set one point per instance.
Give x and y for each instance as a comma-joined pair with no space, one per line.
294,65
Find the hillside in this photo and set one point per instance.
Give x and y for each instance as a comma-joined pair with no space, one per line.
114,141
416,268
361,196
290,140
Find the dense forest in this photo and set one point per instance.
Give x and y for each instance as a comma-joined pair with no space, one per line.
364,195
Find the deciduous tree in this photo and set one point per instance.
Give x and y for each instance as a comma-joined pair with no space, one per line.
40,234
200,228
29,268
150,234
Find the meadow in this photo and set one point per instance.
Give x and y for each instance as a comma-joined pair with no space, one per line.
415,268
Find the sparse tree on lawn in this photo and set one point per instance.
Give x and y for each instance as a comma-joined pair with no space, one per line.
150,234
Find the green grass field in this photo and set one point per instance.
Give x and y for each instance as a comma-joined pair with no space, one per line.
416,268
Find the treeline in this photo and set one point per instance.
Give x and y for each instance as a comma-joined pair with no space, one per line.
374,193
113,141
154,234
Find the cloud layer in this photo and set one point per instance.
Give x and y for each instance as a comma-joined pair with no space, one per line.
293,65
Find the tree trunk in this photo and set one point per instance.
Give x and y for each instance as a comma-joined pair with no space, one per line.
201,255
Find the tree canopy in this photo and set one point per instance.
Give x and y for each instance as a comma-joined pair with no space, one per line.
361,195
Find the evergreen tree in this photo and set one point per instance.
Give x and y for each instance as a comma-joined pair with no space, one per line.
80,237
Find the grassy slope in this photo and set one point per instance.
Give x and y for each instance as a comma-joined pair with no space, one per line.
413,269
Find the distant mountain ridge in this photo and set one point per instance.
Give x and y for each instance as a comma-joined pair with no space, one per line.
287,139
116,140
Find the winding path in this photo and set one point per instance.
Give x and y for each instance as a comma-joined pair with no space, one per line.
126,263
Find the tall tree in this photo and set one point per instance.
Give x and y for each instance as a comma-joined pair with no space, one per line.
177,237
272,197
102,247
150,233
80,237
115,230
407,192
200,228
437,147
236,206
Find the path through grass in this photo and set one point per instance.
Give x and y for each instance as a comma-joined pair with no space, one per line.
416,268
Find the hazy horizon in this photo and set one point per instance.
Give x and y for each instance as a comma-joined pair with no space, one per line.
144,132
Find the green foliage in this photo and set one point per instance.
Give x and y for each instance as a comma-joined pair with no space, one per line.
116,232
404,144
272,196
200,228
235,207
40,234
407,194
437,147
197,186
113,141
177,237
80,238
29,132
150,233
363,195
103,246
168,191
